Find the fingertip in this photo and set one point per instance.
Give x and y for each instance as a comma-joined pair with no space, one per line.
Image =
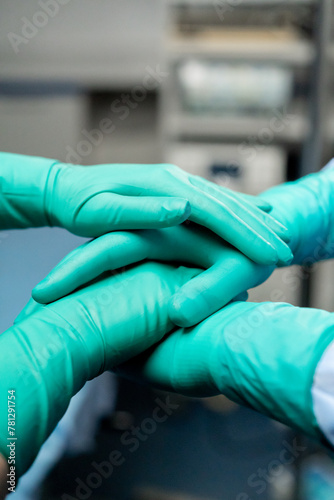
285,256
187,209
268,257
284,233
241,297
280,229
257,201
179,312
178,210
39,295
264,206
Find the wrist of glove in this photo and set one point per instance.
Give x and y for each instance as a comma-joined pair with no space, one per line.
306,207
263,356
45,362
52,350
23,185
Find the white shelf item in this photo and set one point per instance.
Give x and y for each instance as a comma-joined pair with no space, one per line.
280,126
217,86
274,46
251,171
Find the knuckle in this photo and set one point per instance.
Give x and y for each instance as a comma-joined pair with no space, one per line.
174,170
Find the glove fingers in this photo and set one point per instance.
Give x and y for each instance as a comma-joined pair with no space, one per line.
106,212
242,297
106,253
180,363
277,227
281,230
260,203
246,210
216,190
188,243
114,250
244,231
214,288
125,313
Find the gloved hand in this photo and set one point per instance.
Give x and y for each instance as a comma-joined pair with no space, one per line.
221,282
306,207
263,356
91,201
46,357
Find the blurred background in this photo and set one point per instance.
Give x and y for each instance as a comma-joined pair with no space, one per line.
237,91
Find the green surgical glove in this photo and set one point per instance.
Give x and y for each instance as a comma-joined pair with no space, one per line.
46,357
91,201
197,299
306,207
263,356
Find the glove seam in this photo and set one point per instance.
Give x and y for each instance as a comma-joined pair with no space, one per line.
47,190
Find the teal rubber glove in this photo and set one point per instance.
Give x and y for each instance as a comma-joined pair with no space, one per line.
46,357
306,207
198,298
263,356
91,201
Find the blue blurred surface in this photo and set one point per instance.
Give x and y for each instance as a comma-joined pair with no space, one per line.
26,257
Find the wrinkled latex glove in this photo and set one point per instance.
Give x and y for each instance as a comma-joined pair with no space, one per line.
46,357
221,281
263,356
306,207
91,201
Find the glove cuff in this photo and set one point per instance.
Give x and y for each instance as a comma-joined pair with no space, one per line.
23,182
306,207
264,375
